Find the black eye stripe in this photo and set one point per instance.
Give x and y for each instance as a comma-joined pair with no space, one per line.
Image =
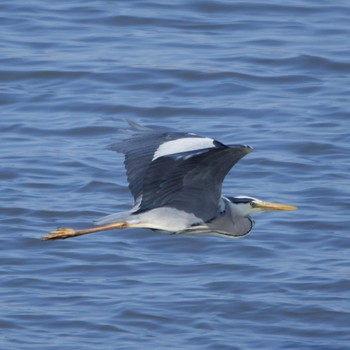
240,200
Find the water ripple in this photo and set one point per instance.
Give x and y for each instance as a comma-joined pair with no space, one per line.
268,74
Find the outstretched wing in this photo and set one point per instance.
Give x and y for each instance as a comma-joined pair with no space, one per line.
178,170
142,145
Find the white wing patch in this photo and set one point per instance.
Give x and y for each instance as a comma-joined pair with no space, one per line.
185,144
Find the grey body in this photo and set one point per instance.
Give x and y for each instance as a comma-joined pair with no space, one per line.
227,222
176,180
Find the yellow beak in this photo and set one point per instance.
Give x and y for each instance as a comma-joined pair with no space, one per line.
274,206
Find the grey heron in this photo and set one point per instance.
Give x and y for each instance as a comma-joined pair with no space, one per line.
176,180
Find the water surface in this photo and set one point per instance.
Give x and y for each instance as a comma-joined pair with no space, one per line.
271,75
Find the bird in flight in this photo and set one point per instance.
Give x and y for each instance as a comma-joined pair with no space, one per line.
176,180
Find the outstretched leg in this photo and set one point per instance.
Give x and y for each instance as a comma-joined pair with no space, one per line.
63,233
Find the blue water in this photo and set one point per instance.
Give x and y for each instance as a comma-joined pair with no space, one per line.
270,74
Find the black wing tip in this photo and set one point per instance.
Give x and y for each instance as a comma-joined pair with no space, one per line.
245,148
113,147
248,148
125,134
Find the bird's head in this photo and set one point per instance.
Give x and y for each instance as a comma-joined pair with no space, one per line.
247,206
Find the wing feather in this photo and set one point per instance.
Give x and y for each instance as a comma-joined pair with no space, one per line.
189,180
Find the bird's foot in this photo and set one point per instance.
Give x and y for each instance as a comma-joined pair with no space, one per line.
61,233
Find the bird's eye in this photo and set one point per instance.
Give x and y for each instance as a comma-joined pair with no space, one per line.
252,204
